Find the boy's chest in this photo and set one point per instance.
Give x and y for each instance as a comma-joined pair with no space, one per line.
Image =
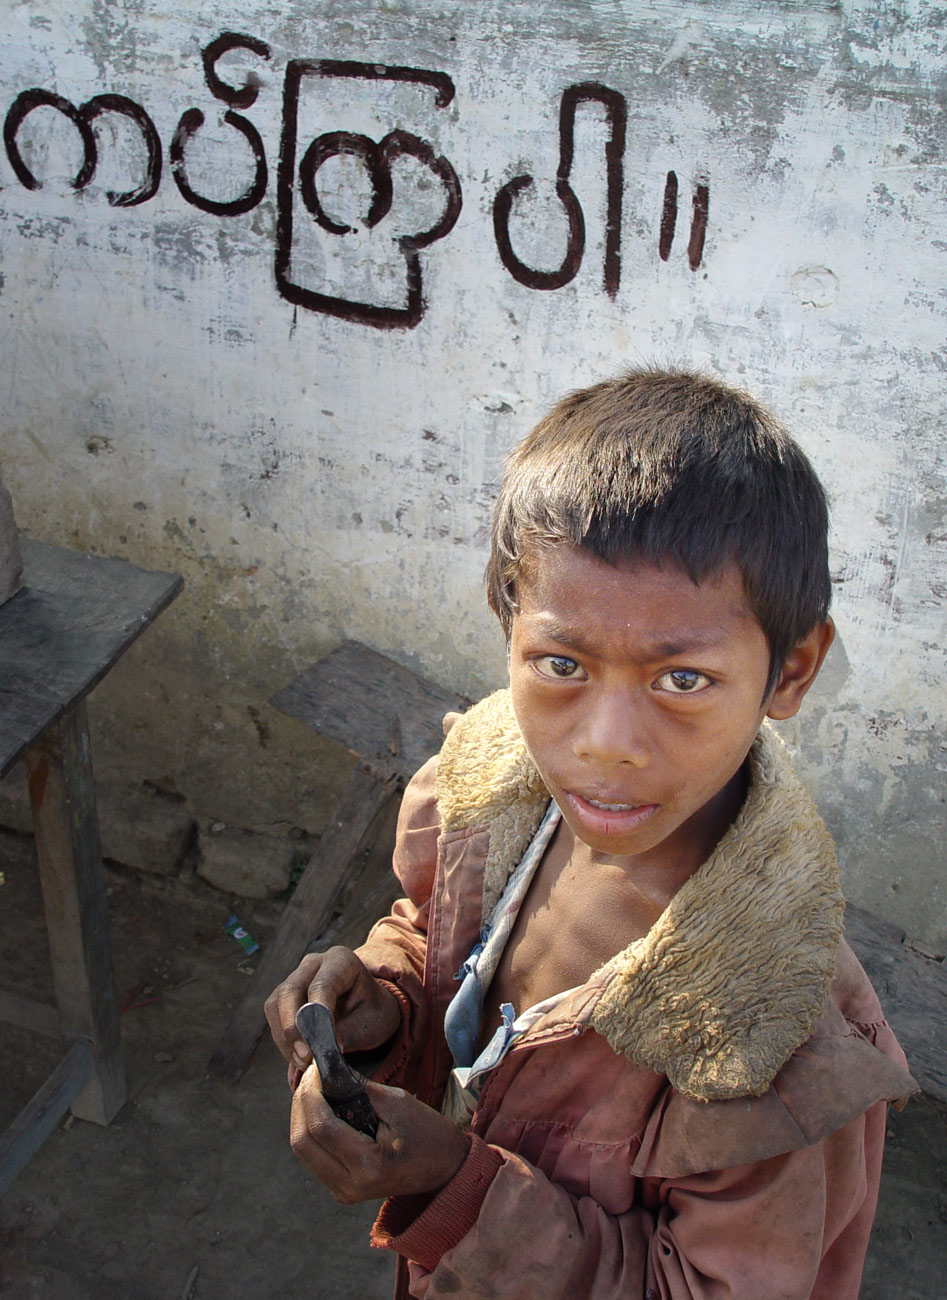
571,922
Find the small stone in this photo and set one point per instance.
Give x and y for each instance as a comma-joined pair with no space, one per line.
143,827
246,862
164,1058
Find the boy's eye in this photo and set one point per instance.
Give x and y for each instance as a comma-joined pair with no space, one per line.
556,666
682,681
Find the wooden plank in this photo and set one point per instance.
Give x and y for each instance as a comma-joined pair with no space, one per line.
370,892
913,993
40,1116
59,768
60,634
307,913
386,714
19,1008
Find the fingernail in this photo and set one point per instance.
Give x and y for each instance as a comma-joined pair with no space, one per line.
301,1062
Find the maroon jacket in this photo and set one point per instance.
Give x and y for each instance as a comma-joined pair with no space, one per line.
704,1118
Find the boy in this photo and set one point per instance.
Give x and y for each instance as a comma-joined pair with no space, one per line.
619,969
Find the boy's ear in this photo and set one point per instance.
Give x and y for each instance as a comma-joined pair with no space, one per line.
800,671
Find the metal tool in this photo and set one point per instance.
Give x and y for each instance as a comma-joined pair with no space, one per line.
342,1087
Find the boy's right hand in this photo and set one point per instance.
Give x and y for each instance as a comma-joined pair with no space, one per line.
366,1014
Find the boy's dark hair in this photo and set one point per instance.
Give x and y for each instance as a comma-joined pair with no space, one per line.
670,466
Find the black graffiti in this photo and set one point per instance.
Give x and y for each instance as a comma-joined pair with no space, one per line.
300,181
236,96
668,217
617,114
128,108
377,158
193,119
331,145
83,118
695,245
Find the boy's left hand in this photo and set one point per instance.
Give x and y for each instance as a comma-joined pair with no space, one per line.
416,1148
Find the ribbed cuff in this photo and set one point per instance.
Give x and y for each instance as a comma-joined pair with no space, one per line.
423,1228
396,1059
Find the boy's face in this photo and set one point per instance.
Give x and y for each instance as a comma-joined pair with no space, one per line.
639,694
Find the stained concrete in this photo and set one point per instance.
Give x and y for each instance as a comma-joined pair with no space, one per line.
206,390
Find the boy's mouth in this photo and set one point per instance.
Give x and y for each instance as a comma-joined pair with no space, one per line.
608,817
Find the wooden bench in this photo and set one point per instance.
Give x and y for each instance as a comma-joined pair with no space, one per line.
390,718
59,636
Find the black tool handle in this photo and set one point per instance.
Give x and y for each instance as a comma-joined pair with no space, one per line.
342,1087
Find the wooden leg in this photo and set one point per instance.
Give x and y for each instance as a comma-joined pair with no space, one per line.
37,1120
59,767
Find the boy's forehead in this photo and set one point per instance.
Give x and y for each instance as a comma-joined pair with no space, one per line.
542,563
570,588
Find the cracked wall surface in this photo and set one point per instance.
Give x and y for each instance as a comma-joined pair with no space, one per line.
276,327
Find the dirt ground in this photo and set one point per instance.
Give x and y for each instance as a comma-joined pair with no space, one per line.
192,1193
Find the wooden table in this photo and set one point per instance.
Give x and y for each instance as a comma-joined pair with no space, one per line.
59,636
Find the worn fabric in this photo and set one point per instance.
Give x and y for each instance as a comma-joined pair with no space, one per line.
463,1016
703,1118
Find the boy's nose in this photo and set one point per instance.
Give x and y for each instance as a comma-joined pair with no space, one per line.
614,730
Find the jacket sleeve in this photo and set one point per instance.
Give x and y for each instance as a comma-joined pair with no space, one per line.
502,1229
396,947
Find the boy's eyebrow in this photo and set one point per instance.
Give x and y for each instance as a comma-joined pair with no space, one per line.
556,631
690,643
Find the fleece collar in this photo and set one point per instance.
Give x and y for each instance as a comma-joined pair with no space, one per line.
732,977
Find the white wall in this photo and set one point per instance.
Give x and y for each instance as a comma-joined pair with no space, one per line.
315,476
